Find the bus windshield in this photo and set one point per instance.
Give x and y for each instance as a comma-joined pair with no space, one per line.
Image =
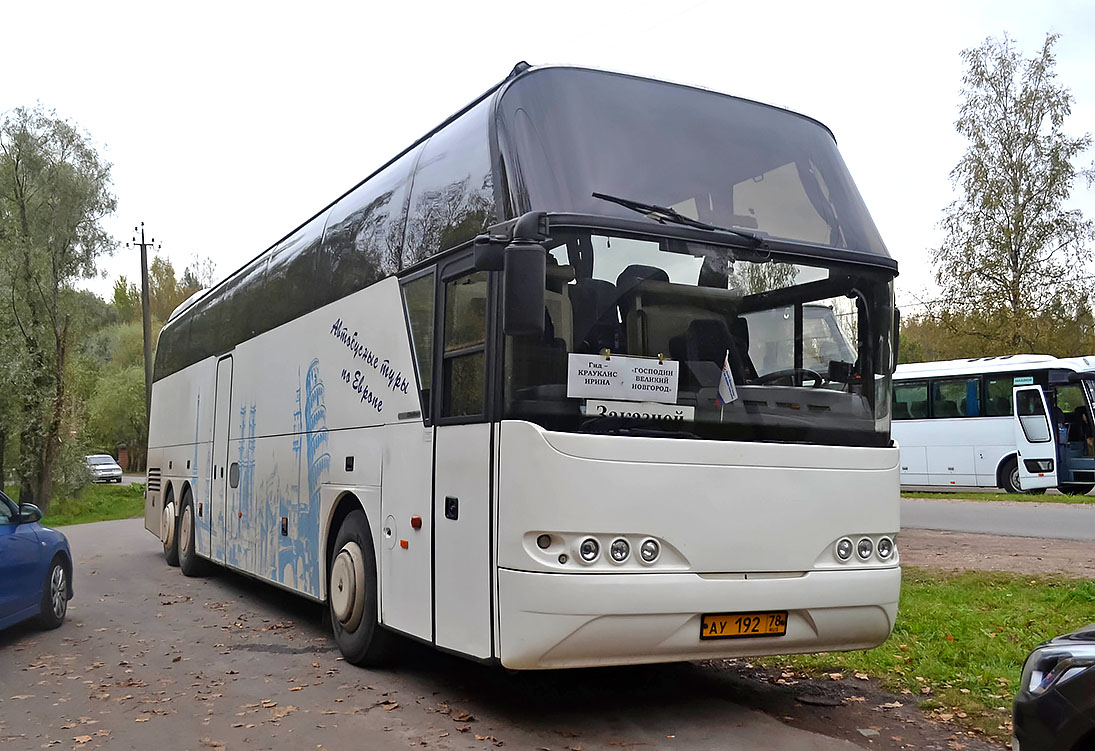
718,159
804,347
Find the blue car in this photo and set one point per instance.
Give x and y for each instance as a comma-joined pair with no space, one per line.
35,567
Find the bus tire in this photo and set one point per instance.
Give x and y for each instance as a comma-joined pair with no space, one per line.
190,563
352,595
169,531
1009,478
1074,488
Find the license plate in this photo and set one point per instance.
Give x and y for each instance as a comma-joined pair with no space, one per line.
743,625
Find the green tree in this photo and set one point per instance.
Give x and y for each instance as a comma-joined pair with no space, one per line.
1011,248
54,192
127,300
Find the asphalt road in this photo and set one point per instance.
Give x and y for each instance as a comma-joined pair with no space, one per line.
1018,519
151,659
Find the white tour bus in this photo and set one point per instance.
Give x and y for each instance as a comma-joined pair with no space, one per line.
476,400
1015,422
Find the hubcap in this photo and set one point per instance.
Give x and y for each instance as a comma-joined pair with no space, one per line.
167,525
186,529
1015,486
347,587
57,591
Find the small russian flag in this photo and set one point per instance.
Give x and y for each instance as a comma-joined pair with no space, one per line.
728,392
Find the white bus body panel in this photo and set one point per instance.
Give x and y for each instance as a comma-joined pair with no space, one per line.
305,396
743,527
463,575
953,451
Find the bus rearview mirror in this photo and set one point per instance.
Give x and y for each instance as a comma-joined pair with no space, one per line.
524,275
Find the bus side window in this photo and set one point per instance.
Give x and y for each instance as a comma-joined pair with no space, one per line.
998,396
464,354
418,300
956,397
910,401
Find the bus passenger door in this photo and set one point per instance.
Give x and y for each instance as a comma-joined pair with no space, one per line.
463,459
1036,449
218,472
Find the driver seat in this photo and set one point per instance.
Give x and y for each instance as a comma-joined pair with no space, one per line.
708,340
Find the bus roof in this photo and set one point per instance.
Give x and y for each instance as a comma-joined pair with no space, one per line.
999,364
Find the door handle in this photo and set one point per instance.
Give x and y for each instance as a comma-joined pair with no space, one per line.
452,507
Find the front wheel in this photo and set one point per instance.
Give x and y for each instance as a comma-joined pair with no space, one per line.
1081,488
352,595
54,596
1009,479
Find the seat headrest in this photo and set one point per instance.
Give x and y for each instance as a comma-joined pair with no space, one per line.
637,273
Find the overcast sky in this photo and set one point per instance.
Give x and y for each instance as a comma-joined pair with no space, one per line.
230,123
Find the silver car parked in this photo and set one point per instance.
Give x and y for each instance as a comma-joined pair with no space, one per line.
103,468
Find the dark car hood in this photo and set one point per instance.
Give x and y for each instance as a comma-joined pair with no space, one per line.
1085,634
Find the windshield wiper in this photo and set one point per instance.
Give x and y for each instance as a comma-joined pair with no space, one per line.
663,214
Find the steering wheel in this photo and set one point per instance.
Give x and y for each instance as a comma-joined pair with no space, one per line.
793,377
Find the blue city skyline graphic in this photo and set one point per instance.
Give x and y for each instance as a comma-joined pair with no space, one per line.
257,506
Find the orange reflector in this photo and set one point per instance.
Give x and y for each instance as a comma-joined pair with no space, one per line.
416,522
404,544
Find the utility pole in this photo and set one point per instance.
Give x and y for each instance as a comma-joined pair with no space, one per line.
146,315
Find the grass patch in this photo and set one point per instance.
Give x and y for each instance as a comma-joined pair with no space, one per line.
95,503
1023,497
961,639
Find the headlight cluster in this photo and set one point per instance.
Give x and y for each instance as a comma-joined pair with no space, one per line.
1054,664
588,549
864,549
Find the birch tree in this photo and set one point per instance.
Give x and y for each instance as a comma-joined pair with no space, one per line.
1012,247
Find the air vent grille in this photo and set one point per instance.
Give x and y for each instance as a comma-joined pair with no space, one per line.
153,480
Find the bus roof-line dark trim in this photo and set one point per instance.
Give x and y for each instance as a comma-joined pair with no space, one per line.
646,227
504,86
516,72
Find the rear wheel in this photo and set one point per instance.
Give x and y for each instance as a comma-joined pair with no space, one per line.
169,532
352,595
54,595
1076,488
190,563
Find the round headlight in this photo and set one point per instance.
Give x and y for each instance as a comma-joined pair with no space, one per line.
649,550
864,548
543,542
844,549
885,548
589,550
619,550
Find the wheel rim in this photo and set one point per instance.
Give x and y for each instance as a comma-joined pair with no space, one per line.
167,525
186,528
1015,486
347,590
58,593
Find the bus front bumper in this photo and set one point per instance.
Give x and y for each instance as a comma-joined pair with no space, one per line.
585,620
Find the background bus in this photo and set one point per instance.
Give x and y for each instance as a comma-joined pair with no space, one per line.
956,422
475,404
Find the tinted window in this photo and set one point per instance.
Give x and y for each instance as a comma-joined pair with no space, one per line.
464,345
288,291
998,396
956,397
716,158
418,299
363,242
1032,416
453,195
7,510
910,401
